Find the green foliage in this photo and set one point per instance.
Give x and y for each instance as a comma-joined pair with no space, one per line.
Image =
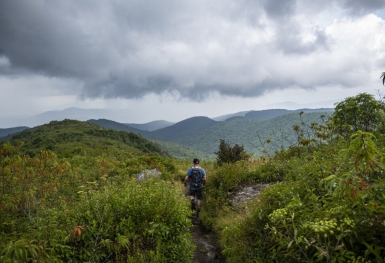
221,182
361,112
323,211
74,197
8,131
146,222
203,135
184,152
329,205
69,137
87,209
230,154
251,132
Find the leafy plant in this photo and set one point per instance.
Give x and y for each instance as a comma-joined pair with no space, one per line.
230,154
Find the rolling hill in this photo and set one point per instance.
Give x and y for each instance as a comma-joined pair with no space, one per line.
200,136
252,133
151,126
70,137
10,131
203,134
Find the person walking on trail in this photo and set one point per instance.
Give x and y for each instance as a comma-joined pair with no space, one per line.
196,175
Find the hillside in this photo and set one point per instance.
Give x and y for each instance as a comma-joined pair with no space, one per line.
116,126
251,132
199,136
9,131
273,113
151,126
69,137
181,131
183,152
203,134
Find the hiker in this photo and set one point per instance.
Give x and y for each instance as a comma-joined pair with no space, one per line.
197,177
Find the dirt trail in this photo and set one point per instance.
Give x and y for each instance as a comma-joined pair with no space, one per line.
206,249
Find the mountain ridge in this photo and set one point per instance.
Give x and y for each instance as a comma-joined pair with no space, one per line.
151,126
201,134
115,115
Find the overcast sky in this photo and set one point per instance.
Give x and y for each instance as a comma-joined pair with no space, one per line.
174,59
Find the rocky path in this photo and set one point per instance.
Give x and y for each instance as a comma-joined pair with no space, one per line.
207,250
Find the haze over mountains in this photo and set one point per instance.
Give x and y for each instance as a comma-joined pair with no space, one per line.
119,115
201,135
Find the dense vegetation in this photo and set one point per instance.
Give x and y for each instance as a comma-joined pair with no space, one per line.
69,137
88,205
325,202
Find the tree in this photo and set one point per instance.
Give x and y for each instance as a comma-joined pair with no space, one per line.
229,154
361,112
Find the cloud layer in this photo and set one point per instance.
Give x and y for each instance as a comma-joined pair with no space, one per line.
192,49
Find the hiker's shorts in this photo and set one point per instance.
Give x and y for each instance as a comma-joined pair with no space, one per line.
197,192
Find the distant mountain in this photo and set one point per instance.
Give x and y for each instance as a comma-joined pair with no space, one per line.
151,126
203,134
272,113
295,106
269,113
59,115
200,135
117,116
115,125
253,133
183,129
10,131
266,114
228,116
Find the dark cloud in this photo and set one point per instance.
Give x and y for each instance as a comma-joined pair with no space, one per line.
46,40
280,9
133,48
360,7
115,87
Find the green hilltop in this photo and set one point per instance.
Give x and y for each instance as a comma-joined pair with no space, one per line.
70,137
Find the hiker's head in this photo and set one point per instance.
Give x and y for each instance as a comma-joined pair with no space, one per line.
196,161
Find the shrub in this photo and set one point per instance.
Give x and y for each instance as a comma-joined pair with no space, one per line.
230,154
133,222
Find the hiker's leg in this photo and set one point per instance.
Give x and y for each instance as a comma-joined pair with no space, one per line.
192,197
192,194
199,197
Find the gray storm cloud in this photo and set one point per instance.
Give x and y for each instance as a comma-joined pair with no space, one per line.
362,7
130,49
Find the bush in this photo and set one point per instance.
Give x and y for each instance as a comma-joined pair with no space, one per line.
135,222
230,154
329,208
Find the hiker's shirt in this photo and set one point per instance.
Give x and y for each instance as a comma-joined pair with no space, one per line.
203,177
